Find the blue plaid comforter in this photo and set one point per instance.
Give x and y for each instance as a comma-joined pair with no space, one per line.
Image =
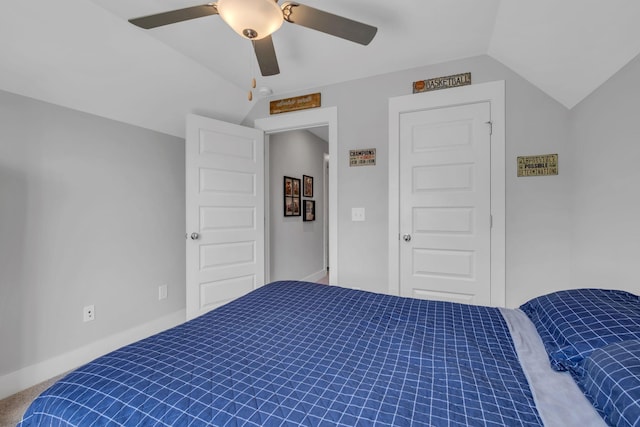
302,354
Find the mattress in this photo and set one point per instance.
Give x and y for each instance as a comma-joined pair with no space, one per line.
303,354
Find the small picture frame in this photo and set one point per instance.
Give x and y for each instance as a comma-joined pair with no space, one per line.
288,206
307,185
291,192
288,186
296,206
309,210
296,187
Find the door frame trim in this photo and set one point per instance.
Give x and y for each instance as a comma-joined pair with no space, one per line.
327,116
494,93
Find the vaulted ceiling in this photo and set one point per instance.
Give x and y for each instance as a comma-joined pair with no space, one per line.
83,54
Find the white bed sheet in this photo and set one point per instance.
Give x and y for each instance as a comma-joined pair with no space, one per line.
559,400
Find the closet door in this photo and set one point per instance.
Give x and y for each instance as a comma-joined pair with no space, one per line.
224,212
445,203
447,194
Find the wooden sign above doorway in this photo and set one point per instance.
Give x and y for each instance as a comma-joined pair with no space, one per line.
294,104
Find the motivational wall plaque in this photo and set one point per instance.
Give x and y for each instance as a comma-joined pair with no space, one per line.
541,165
364,157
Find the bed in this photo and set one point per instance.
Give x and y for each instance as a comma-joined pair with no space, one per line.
303,354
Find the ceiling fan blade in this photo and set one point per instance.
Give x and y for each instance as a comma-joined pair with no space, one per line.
266,55
171,17
328,23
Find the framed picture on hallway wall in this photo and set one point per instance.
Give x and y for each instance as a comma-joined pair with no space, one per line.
309,210
307,185
291,191
296,187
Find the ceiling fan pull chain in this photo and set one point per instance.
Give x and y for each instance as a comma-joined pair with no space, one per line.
253,79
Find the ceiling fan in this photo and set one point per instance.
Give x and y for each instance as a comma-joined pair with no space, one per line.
256,20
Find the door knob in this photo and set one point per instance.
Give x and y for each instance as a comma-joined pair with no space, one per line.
406,237
195,236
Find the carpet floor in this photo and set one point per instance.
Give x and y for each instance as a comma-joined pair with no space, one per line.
12,408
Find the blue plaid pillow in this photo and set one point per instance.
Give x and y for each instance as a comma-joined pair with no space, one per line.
610,378
575,322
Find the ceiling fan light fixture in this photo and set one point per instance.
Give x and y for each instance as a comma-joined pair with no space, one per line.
252,19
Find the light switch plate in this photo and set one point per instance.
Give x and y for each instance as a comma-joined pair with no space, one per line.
357,214
162,292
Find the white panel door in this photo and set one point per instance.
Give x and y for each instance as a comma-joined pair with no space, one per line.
445,204
225,212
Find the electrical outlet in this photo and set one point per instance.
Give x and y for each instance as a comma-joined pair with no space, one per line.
162,292
89,313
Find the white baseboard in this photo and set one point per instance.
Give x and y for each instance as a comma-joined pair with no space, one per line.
315,276
31,375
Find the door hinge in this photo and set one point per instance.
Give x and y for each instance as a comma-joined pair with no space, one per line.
490,123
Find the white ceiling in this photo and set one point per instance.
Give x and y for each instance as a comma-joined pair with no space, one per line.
83,54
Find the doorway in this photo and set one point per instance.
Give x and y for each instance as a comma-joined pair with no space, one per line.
297,239
494,94
305,120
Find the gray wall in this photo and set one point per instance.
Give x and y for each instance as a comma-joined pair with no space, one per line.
537,241
296,247
92,211
605,154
